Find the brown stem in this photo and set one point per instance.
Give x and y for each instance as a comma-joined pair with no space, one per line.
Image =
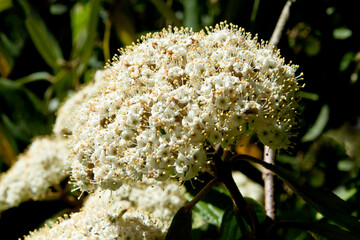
268,178
223,171
201,194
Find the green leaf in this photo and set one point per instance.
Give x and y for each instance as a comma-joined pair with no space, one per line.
6,85
13,128
37,103
5,4
191,14
44,41
33,77
6,58
346,60
84,21
309,95
180,227
64,81
312,46
327,203
342,33
319,125
91,30
208,212
79,17
229,226
258,209
58,9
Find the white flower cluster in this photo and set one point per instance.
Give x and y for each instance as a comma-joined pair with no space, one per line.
40,167
175,95
67,112
44,163
120,215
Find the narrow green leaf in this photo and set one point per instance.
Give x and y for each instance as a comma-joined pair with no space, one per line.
33,77
13,43
13,128
319,125
342,33
346,60
327,203
91,30
6,85
37,103
58,9
180,227
64,81
254,11
79,17
10,138
166,12
309,95
84,22
229,226
6,58
44,41
191,14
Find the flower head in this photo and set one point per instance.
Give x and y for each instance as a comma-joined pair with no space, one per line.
174,95
42,165
66,116
140,211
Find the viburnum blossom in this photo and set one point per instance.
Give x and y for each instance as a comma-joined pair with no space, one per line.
127,213
42,165
68,110
173,96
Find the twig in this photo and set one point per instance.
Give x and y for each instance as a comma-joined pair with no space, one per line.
275,38
222,160
201,194
268,178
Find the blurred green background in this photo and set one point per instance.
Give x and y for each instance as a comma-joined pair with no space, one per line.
48,48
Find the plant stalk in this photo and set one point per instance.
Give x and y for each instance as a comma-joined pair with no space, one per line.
268,178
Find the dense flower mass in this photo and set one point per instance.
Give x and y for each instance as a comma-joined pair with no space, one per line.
40,167
67,112
174,95
127,213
